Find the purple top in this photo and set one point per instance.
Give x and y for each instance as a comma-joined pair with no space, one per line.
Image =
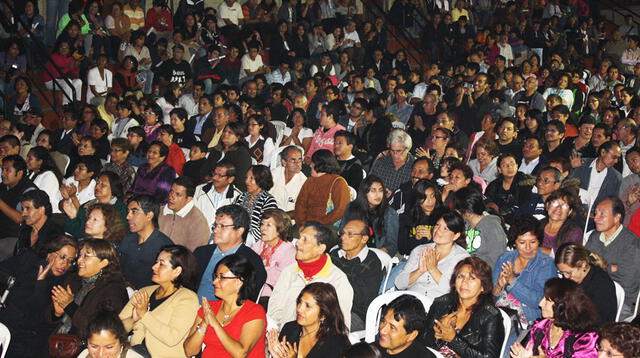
156,182
574,236
583,347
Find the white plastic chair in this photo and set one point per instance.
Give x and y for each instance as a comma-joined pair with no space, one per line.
435,353
387,262
506,322
5,338
619,300
185,151
280,126
130,292
635,310
373,312
353,194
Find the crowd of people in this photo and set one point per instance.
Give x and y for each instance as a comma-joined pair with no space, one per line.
233,181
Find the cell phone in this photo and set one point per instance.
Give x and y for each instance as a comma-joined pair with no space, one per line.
468,85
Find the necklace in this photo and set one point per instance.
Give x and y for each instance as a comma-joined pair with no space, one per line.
227,316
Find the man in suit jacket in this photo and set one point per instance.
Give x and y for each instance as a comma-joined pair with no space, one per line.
597,176
203,121
229,233
63,137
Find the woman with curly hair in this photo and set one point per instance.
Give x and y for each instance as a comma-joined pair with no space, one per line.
104,222
620,339
562,207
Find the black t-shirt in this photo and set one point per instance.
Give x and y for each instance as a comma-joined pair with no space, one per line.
176,72
184,139
11,196
415,350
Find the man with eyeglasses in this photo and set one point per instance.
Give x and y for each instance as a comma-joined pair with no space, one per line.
597,176
288,179
229,234
218,192
395,167
548,181
530,96
362,267
355,123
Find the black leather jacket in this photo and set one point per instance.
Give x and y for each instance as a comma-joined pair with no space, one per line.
481,337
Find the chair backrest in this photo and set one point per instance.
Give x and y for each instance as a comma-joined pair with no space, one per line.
130,292
619,300
373,312
635,310
435,353
5,338
280,126
506,323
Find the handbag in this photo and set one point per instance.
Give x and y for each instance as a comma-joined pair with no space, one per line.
65,345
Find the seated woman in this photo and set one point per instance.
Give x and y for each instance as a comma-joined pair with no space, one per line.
417,222
579,265
104,222
465,322
620,339
22,101
45,174
485,236
80,188
372,206
233,148
319,330
563,206
36,273
296,131
107,191
155,177
160,315
485,165
99,282
430,266
460,176
567,327
69,67
138,156
274,247
519,275
510,190
106,337
257,199
152,115
261,146
233,326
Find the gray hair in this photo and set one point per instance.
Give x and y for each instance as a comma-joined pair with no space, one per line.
399,136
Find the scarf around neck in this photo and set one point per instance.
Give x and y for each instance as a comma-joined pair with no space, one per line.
310,269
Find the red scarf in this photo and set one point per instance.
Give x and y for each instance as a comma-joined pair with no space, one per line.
310,269
267,252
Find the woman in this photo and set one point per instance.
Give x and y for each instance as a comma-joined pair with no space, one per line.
106,337
593,108
104,222
487,131
100,132
619,340
296,133
429,266
70,68
141,53
438,141
44,173
233,326
300,42
126,80
281,45
137,156
152,115
325,194
23,100
510,190
156,176
417,222
372,207
96,39
319,330
160,315
274,248
563,208
485,235
108,191
80,188
169,101
533,125
89,114
486,163
175,158
561,90
99,284
465,322
233,148
566,329
344,65
582,143
118,25
256,199
334,42
260,148
35,275
519,275
460,176
99,81
579,265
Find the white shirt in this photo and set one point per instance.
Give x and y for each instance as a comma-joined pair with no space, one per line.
528,168
48,183
182,212
267,150
286,194
101,84
186,101
595,181
84,195
246,63
351,36
233,14
304,133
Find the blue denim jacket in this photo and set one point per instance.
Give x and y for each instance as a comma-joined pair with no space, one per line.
528,287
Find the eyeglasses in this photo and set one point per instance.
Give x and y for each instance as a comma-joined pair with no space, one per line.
221,226
397,151
350,234
545,181
86,256
557,203
148,112
607,353
223,277
219,175
69,260
438,137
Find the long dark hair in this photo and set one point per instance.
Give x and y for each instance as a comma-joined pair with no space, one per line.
182,257
482,271
104,250
109,321
418,194
572,308
41,153
569,224
359,208
243,269
327,299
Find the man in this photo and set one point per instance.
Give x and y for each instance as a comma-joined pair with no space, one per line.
178,117
395,167
554,146
176,70
548,181
474,102
531,152
530,96
324,67
401,327
288,179
626,130
516,86
14,184
251,62
62,138
598,82
9,145
120,150
619,247
630,186
597,176
362,267
229,232
282,75
191,101
355,123
424,116
180,219
193,168
323,138
313,265
422,169
218,192
200,123
507,138
138,250
351,167
33,119
561,113
460,139
37,228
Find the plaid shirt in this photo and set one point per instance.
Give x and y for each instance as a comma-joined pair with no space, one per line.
391,176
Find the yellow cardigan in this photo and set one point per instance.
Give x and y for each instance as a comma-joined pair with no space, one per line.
164,329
